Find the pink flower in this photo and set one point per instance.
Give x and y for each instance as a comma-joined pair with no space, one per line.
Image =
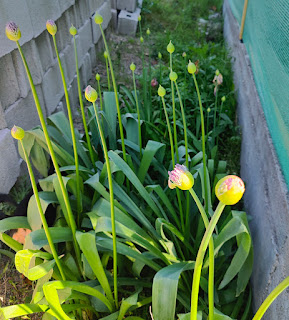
180,177
154,83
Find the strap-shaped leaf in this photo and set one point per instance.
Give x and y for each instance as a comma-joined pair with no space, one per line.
127,303
20,310
10,242
165,287
14,223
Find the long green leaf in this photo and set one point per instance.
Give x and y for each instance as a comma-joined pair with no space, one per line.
14,223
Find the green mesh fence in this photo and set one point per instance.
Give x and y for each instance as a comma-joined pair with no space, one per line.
266,36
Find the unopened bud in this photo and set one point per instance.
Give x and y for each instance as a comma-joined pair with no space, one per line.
148,32
97,77
184,54
173,76
161,91
209,110
98,19
51,27
90,94
132,67
160,55
192,67
12,31
230,189
139,18
223,99
217,72
170,47
73,30
17,133
141,39
105,54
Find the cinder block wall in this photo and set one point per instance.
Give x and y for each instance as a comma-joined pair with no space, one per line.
266,197
16,101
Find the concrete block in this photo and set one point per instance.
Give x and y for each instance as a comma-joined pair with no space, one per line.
114,19
34,64
44,50
105,11
84,40
63,36
139,3
73,96
52,88
113,4
9,161
9,89
82,10
77,19
68,62
94,5
17,113
128,5
92,53
65,4
3,123
40,11
8,13
127,22
85,70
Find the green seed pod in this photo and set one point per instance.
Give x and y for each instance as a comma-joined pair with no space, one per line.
98,18
139,18
105,54
12,31
132,67
148,32
97,77
223,99
90,94
192,67
161,91
17,133
73,30
160,55
170,47
141,39
173,76
217,72
51,27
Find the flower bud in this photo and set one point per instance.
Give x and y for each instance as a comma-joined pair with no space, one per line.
97,77
173,76
154,82
170,47
98,19
160,55
217,72
148,32
139,18
105,54
132,67
12,31
223,99
230,189
161,91
17,133
180,177
192,67
184,54
209,110
90,94
219,79
73,30
141,39
51,27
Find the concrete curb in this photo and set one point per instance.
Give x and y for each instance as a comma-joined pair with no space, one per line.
266,197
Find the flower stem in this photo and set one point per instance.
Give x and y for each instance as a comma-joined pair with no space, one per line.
203,142
211,255
174,111
215,111
138,116
107,74
199,260
71,221
111,197
82,108
42,216
269,300
78,193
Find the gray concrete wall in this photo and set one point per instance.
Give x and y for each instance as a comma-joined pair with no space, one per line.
266,196
16,101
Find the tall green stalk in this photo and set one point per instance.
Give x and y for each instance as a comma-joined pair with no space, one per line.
107,69
111,197
115,94
132,67
81,106
211,256
203,142
70,118
41,213
71,221
199,260
270,299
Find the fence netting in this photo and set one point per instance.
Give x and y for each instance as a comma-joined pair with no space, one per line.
266,37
